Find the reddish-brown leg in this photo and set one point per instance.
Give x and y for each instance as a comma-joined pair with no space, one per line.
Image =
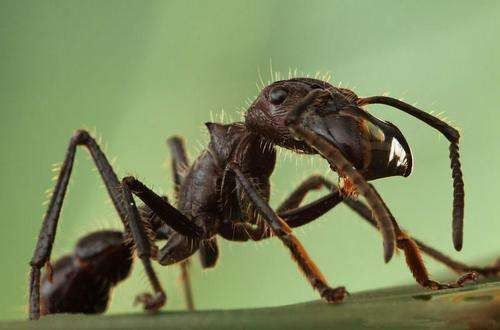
285,234
127,213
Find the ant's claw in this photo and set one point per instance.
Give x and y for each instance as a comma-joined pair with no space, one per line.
334,295
151,303
468,277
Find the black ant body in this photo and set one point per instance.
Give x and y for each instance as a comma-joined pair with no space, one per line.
225,193
99,261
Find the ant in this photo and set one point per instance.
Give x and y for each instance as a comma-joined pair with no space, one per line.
225,193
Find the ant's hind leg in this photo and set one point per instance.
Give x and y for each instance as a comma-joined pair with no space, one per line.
41,254
180,161
180,164
47,233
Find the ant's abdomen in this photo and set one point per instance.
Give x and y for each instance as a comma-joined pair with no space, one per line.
81,282
106,254
73,290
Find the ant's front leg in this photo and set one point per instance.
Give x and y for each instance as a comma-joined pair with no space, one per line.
458,267
416,264
453,137
410,245
285,234
344,167
404,240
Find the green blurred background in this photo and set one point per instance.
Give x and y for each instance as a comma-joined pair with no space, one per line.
142,71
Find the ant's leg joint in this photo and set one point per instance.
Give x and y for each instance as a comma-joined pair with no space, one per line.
132,183
80,136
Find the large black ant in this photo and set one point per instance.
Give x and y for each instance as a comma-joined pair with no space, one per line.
225,192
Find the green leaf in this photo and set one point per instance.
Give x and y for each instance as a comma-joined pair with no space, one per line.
475,306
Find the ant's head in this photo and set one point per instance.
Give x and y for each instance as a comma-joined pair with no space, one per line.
375,147
266,115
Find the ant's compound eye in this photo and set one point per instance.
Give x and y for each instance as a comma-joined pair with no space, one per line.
277,96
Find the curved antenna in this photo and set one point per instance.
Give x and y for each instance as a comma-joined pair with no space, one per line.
453,136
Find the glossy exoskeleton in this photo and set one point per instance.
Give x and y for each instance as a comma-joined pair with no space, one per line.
100,260
225,192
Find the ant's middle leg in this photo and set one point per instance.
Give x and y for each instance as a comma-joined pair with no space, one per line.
412,246
313,182
285,234
294,217
413,255
288,210
43,249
